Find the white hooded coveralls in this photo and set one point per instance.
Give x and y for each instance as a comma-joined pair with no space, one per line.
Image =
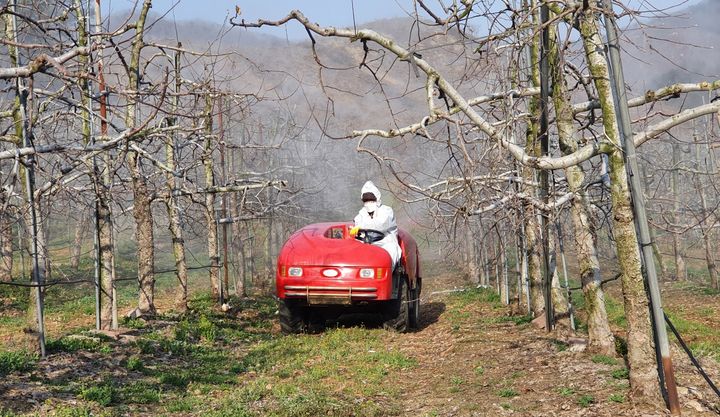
382,220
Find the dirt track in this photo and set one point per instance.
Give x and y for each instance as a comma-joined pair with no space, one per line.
472,361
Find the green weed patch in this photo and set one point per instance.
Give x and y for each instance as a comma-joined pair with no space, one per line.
16,361
606,360
334,369
586,400
703,339
507,393
101,394
74,343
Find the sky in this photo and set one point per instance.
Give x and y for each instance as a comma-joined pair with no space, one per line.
326,12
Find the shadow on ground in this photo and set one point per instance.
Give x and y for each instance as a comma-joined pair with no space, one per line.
429,314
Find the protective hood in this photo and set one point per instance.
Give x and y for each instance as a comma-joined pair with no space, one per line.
369,187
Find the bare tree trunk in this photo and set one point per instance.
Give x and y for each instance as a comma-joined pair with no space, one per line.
103,185
171,204
210,214
496,260
653,236
6,240
705,225
680,269
502,275
708,244
557,296
641,352
519,268
659,257
485,262
266,249
80,230
505,277
277,245
532,223
268,244
142,210
32,328
464,246
83,37
33,216
534,263
43,242
107,261
471,255
237,237
600,338
213,249
524,291
225,283
238,248
250,255
178,244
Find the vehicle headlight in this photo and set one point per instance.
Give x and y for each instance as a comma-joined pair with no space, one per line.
295,271
330,273
367,273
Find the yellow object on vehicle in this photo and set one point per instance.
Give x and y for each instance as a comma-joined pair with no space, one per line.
354,231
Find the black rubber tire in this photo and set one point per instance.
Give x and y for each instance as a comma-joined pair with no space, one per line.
292,317
316,322
398,315
414,306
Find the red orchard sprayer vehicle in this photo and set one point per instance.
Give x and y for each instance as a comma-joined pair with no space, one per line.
324,272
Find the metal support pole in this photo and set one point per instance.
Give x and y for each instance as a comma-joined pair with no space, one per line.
497,265
223,200
96,249
568,293
96,179
525,269
220,283
37,278
506,282
518,268
544,149
641,222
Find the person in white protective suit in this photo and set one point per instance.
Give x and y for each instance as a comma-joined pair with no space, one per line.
376,216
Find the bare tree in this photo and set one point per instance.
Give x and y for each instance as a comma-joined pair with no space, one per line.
680,268
601,338
6,239
463,111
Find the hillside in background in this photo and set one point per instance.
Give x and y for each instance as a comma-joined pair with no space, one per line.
245,107
658,51
681,48
289,83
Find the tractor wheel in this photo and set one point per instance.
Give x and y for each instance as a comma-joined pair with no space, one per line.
398,314
292,317
316,322
414,307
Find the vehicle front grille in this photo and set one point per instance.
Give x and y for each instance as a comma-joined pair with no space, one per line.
330,295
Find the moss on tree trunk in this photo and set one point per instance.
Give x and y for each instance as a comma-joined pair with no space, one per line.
142,211
600,337
641,353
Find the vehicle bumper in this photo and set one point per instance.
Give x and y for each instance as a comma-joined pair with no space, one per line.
327,291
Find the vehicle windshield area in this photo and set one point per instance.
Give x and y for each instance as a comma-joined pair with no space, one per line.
335,232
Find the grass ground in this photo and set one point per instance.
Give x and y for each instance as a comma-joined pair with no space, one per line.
470,357
210,363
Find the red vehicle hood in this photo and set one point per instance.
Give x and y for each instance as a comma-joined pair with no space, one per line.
310,247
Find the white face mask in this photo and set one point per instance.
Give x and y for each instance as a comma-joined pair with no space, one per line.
371,206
